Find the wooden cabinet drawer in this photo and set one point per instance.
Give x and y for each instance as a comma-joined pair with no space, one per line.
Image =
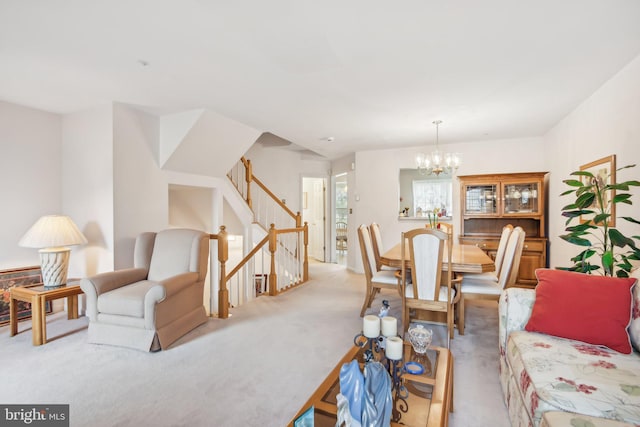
534,245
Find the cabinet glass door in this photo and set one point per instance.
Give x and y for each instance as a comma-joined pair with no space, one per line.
481,199
520,198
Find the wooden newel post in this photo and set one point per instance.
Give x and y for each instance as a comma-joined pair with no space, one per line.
223,257
305,263
298,220
248,174
273,277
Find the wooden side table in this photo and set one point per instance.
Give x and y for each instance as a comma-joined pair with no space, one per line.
38,296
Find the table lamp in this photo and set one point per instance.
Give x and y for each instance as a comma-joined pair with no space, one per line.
52,234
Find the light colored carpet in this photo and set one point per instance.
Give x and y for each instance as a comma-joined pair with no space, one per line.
254,369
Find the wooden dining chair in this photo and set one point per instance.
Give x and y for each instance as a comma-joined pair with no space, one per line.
484,289
376,240
493,276
341,236
426,287
376,280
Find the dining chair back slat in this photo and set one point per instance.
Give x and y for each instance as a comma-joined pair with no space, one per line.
513,253
502,246
426,265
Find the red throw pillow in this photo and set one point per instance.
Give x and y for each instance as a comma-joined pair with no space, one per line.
583,307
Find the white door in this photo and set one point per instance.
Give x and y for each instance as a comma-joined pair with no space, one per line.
314,215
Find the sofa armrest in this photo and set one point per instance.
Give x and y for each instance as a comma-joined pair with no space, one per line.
514,310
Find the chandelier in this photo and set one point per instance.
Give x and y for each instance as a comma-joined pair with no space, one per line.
437,161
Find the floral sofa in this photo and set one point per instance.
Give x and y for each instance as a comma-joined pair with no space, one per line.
541,373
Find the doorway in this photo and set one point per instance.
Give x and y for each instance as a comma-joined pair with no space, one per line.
313,213
341,218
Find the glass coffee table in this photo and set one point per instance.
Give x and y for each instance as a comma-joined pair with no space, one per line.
430,393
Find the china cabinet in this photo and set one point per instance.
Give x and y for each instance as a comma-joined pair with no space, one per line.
489,202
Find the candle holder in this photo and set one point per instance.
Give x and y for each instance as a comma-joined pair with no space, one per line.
371,344
398,389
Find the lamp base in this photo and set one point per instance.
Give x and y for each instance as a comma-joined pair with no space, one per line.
54,263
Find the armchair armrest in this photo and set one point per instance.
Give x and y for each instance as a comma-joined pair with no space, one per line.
111,280
162,290
514,310
96,285
175,284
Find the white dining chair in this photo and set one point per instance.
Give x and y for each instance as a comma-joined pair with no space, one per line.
485,289
376,240
493,276
375,280
426,287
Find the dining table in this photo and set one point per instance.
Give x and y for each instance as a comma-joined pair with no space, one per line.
464,258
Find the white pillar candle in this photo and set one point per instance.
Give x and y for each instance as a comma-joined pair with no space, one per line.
394,348
371,326
389,326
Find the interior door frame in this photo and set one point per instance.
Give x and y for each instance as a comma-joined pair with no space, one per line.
326,209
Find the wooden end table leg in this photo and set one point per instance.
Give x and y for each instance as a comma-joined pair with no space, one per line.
13,315
38,320
72,307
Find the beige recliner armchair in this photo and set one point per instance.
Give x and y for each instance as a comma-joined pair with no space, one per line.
150,306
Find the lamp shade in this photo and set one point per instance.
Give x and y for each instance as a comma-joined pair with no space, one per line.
52,231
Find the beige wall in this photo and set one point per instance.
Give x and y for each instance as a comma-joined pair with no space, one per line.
606,123
87,177
30,170
375,195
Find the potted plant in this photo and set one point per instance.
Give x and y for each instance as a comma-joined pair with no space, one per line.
595,196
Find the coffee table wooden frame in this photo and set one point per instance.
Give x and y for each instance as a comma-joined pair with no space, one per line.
442,395
38,296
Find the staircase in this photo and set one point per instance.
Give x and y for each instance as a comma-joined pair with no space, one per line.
278,260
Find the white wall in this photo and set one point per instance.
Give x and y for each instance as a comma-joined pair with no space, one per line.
190,207
141,190
281,170
377,173
30,177
608,122
87,181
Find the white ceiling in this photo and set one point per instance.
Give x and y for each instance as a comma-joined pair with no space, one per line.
370,73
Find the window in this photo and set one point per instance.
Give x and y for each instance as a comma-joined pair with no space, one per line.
429,195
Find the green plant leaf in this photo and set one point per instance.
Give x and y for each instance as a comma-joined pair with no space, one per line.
584,255
567,192
618,186
628,218
601,218
576,240
607,263
622,273
571,206
582,173
585,200
622,198
619,240
632,183
573,183
581,228
586,189
573,214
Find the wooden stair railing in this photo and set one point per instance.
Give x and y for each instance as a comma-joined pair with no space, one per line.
267,207
285,270
285,235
